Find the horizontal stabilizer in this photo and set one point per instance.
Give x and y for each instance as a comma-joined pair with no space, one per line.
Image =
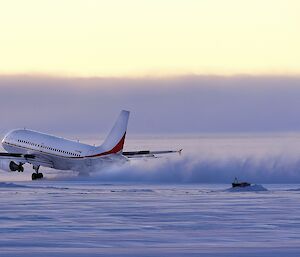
146,153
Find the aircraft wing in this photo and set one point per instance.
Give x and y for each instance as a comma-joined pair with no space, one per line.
148,154
26,158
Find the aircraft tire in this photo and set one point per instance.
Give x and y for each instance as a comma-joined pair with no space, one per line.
33,176
36,176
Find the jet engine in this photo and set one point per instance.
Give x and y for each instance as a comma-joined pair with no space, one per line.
10,166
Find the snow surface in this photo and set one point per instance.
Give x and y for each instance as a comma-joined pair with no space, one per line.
87,218
155,208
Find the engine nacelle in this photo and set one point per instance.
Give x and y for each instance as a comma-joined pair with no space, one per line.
10,166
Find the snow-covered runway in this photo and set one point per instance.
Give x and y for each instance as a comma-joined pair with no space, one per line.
84,218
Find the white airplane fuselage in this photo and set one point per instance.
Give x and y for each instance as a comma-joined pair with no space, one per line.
62,154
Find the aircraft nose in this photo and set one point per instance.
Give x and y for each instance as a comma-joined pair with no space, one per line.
5,138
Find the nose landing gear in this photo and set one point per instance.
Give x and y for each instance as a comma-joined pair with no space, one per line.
36,175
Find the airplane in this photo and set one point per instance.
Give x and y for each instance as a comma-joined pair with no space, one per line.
39,149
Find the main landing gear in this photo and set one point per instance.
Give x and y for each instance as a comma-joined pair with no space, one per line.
36,175
16,167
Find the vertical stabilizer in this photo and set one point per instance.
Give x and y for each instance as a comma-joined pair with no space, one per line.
114,142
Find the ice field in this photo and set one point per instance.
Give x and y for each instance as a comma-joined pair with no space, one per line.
179,206
55,218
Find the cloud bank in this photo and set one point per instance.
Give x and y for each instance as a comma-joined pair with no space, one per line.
190,104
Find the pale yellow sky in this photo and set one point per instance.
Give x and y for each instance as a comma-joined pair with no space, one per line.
149,37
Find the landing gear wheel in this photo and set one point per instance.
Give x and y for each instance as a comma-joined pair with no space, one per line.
35,176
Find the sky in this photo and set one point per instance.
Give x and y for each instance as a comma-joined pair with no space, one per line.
178,66
136,38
